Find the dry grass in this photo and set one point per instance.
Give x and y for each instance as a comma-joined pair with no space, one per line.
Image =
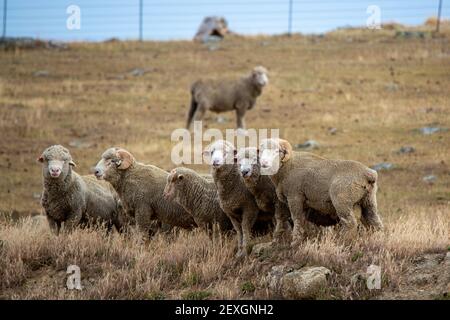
190,265
376,88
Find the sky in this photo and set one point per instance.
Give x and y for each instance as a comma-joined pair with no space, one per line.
179,19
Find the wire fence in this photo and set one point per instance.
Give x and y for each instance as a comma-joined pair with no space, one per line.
177,19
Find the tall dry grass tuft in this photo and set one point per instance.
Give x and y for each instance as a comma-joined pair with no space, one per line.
191,265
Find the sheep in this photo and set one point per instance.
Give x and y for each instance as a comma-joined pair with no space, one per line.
198,196
72,199
265,195
140,188
235,200
333,187
226,95
263,190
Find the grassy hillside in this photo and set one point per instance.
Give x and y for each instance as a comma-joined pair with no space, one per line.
376,88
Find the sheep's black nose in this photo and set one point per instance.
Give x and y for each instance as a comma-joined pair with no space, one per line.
245,172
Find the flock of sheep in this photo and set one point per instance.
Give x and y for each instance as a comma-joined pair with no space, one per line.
243,194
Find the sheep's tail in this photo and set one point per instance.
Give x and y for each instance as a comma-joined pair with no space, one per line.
194,105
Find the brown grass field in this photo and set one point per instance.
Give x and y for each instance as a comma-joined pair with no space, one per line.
375,88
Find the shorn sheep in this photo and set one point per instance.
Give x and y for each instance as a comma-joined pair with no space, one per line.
140,188
227,95
334,187
235,200
73,199
198,196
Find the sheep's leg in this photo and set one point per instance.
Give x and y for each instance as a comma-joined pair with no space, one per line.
248,220
341,198
369,213
200,112
73,220
344,210
238,228
240,121
144,222
55,226
282,223
298,214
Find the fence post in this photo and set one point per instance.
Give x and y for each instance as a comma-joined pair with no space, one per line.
5,8
438,22
141,9
290,18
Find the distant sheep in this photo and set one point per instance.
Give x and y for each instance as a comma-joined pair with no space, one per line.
333,187
198,196
226,95
140,188
73,199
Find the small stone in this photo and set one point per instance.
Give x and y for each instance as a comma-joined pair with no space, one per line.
221,119
262,248
406,149
138,72
391,87
41,73
429,179
36,195
383,166
332,131
431,130
80,144
310,144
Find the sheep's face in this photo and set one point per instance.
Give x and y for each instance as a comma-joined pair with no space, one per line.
175,182
259,75
57,162
273,153
220,153
113,162
247,159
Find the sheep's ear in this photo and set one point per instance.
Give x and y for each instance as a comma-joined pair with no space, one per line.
72,163
40,159
286,148
126,159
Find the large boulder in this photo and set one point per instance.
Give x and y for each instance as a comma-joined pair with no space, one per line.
211,28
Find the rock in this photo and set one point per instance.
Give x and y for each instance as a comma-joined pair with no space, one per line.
40,222
310,144
429,179
41,73
305,283
273,279
332,131
383,166
262,248
431,130
221,119
80,144
406,149
137,72
211,29
391,87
